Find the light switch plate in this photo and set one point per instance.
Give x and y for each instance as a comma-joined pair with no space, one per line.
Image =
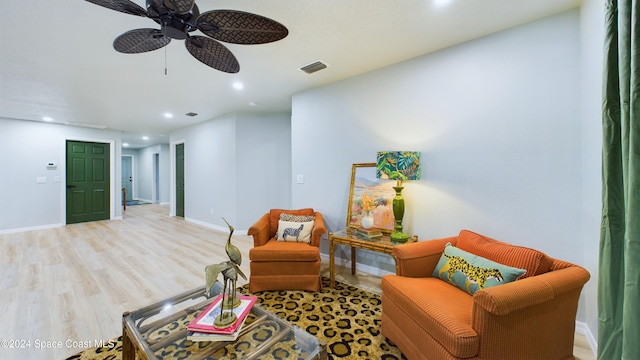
300,179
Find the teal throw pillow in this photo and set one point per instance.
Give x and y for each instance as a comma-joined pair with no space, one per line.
471,272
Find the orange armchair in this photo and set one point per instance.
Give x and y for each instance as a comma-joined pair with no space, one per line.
531,318
282,265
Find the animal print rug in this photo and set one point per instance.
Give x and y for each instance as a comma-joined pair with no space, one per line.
346,318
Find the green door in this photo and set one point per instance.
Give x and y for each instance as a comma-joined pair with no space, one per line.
180,180
87,182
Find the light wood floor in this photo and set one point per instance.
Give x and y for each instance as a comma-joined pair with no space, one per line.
63,289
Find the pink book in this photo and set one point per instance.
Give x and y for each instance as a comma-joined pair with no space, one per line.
204,322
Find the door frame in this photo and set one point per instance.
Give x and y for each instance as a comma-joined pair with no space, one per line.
134,193
172,175
112,176
155,177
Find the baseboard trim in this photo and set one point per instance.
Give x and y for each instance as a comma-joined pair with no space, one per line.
215,227
583,329
30,228
206,224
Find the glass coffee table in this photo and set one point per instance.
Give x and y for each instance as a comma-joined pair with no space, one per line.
158,331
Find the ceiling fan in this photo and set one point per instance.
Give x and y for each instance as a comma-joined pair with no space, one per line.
179,18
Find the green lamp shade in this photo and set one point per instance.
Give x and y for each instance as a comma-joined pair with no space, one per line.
398,165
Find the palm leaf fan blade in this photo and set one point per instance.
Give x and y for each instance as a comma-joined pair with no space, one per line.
239,27
212,53
140,40
123,6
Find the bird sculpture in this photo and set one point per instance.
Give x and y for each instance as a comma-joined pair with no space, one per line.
232,251
230,270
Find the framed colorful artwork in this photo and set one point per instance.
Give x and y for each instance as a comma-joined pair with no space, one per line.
377,194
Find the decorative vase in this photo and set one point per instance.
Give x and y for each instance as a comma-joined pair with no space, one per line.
367,219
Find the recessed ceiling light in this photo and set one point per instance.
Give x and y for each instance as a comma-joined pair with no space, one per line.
47,118
238,85
168,115
145,138
125,144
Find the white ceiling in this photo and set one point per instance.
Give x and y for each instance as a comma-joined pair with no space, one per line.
57,59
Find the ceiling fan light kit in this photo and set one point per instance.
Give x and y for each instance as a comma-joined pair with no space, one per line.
179,18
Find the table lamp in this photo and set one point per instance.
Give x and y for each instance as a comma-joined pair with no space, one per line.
399,166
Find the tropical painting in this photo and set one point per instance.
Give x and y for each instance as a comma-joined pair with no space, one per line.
377,194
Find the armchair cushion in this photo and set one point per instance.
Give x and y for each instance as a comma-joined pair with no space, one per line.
470,272
442,311
276,251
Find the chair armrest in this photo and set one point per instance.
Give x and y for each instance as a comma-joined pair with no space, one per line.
420,258
318,229
260,231
504,299
534,315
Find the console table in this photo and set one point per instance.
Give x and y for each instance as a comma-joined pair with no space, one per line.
350,237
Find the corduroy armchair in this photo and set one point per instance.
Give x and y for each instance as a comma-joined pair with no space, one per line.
531,318
279,265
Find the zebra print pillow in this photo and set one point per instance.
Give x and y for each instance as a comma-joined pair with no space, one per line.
294,231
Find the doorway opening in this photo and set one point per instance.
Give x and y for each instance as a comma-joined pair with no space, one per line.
127,178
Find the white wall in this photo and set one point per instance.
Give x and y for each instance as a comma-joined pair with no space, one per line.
164,174
209,165
25,149
231,164
497,121
264,164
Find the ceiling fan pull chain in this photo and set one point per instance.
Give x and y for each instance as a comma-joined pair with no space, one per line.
165,60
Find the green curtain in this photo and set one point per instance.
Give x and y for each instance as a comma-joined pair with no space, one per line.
619,264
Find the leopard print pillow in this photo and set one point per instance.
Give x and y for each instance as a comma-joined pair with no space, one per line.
470,272
296,218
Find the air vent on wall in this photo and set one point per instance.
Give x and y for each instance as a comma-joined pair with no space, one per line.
192,114
313,67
